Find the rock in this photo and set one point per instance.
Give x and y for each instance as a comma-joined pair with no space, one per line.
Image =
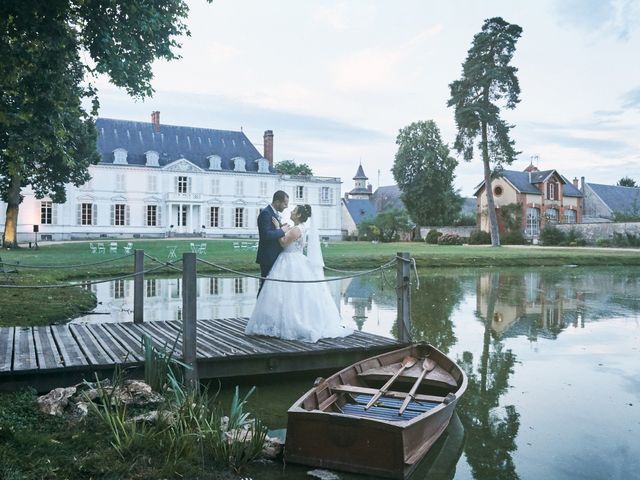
56,400
323,474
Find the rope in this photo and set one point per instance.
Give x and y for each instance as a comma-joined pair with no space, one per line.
415,269
22,265
86,284
332,279
166,264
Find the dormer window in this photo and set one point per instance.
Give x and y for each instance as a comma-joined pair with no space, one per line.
263,165
239,164
120,156
215,162
552,191
152,158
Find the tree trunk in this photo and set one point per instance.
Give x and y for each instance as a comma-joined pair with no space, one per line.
491,206
11,222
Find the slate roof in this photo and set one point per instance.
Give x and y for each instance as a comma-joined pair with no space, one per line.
525,184
618,199
359,209
387,197
360,174
172,143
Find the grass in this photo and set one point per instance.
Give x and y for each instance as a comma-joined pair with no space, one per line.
46,306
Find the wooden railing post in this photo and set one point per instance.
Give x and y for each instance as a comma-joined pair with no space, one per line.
403,290
138,287
189,317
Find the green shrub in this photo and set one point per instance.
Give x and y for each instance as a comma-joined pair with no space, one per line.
603,242
514,237
479,237
552,236
449,239
625,240
432,237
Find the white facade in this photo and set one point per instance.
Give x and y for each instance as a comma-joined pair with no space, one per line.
174,197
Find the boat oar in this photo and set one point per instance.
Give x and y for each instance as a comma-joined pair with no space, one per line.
427,366
407,362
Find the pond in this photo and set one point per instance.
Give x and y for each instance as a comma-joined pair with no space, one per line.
552,355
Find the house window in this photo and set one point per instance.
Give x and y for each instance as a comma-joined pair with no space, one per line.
86,214
552,215
533,222
152,183
214,216
215,186
119,214
238,285
182,185
182,215
152,288
152,215
239,187
120,182
263,189
46,213
118,289
239,218
570,216
325,195
214,286
552,191
299,192
497,191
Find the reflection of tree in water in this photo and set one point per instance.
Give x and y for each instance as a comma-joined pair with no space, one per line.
431,309
491,432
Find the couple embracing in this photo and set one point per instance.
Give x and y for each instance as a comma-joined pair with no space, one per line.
292,310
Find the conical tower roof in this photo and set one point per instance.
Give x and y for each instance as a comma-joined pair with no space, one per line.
360,174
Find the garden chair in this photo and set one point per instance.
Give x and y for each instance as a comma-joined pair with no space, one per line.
127,248
93,248
236,245
113,247
193,247
202,248
101,248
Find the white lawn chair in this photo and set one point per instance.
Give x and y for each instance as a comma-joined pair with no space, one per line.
127,248
93,248
236,245
113,247
202,248
193,247
101,248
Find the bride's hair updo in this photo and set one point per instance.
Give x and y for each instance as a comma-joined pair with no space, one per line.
304,211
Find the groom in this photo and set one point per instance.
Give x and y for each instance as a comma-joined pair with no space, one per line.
268,247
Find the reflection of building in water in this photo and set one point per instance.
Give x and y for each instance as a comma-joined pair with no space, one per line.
216,297
359,294
527,304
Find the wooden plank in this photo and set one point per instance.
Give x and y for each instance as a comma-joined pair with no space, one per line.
275,343
6,348
163,338
290,345
125,338
372,391
72,355
94,351
46,349
232,342
109,343
170,330
24,355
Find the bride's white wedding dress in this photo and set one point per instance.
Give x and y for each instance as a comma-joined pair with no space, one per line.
296,311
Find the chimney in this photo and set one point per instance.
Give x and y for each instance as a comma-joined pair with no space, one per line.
268,146
582,184
369,188
155,120
575,182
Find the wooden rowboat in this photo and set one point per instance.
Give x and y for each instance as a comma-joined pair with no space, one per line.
329,426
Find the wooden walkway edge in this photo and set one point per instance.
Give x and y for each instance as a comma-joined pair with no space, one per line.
52,356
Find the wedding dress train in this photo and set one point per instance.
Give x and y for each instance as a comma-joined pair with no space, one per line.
296,311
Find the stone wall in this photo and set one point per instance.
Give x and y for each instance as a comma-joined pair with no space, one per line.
592,232
464,232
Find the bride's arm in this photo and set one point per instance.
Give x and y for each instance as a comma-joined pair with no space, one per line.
290,237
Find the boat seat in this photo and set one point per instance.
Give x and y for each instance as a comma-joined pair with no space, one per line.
391,394
386,408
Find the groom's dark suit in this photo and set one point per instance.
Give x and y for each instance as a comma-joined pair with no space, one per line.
268,247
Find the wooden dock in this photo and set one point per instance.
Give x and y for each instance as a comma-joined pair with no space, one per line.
52,356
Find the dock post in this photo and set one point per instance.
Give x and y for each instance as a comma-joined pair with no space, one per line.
403,291
189,317
138,287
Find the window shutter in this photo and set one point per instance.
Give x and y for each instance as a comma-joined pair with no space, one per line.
245,217
320,195
221,217
94,213
189,184
331,195
79,214
158,216
127,216
113,214
175,184
54,214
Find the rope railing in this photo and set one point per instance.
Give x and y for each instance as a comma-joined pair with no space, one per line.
85,283
330,279
165,264
79,265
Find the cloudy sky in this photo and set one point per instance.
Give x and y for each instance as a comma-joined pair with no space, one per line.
336,80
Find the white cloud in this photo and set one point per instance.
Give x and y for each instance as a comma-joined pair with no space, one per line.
334,16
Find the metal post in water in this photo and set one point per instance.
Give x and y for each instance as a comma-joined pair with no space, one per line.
138,287
403,290
189,317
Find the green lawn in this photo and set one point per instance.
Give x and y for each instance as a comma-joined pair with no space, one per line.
74,261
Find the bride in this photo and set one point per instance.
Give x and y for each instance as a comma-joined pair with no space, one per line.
297,311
